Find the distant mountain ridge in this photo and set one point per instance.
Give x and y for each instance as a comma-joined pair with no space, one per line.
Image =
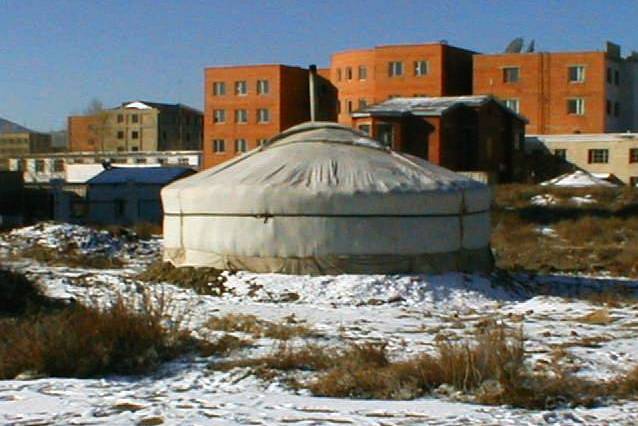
7,126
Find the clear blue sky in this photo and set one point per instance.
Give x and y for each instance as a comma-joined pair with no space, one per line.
56,55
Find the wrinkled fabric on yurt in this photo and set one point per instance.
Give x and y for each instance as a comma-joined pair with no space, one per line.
321,198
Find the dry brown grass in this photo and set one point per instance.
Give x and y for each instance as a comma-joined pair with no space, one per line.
70,257
589,238
205,281
250,324
597,317
223,346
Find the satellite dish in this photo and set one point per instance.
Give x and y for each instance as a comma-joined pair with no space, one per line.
515,46
530,47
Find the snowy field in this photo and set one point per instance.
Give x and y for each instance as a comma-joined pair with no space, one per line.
408,312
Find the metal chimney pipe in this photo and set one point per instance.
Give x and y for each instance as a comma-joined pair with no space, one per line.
312,87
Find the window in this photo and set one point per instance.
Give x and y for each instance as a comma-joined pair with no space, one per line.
261,142
362,103
39,166
120,118
58,165
240,145
135,118
219,88
219,116
511,74
633,155
349,106
120,134
608,107
576,74
263,87
560,153
616,109
183,161
395,68
135,134
140,161
135,148
365,128
513,104
598,156
241,116
241,88
348,73
263,115
609,75
420,68
616,77
576,106
219,145
338,74
363,72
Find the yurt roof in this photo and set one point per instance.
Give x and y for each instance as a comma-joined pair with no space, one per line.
325,169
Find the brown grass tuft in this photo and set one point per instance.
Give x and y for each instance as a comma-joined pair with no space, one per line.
70,257
598,317
205,281
250,324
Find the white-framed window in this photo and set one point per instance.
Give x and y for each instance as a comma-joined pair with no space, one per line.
598,156
511,74
263,87
219,116
513,104
219,88
363,72
58,165
576,73
241,116
240,145
263,115
219,145
395,68
420,68
241,88
576,106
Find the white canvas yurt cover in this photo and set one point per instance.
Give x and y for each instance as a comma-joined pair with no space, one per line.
321,198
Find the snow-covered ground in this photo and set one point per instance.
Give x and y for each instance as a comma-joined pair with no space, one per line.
407,311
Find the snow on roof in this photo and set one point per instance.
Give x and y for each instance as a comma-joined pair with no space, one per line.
137,105
428,106
81,173
140,175
577,179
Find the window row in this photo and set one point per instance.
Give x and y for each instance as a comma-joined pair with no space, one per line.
349,105
575,106
240,87
395,69
241,145
575,74
241,116
134,134
598,155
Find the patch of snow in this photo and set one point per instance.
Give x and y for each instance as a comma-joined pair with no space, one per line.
587,199
137,105
544,200
577,179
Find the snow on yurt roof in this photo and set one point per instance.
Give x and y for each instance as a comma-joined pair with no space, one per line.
325,168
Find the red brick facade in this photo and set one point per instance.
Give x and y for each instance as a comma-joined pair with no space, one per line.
434,69
557,92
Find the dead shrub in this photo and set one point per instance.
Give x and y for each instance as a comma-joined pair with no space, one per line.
80,341
204,281
223,346
627,385
598,317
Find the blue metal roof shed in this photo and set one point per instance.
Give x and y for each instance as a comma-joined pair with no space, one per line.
140,175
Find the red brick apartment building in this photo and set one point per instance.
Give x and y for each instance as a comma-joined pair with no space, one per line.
246,105
563,92
368,76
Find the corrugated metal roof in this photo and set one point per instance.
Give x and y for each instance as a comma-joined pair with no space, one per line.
141,175
428,106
